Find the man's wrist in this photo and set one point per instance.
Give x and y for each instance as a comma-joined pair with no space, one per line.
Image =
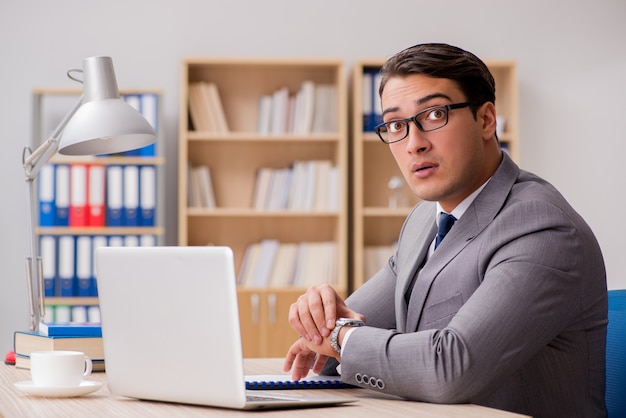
336,335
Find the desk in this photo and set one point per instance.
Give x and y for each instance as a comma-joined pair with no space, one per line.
14,403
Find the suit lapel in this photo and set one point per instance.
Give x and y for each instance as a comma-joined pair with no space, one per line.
417,237
476,218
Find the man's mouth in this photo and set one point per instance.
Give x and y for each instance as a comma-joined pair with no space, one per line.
423,170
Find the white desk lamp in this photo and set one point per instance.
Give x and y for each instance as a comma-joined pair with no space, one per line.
100,123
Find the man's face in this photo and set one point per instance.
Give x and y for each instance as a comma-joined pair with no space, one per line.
447,164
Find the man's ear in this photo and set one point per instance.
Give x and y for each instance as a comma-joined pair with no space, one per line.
487,114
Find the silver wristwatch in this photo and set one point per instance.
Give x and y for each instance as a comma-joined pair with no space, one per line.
340,323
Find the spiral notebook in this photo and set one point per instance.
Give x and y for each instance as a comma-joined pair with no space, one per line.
284,381
160,302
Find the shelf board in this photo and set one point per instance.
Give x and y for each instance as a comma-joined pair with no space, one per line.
386,212
253,137
106,230
107,160
248,212
71,301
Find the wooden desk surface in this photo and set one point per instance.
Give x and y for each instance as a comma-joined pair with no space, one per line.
14,403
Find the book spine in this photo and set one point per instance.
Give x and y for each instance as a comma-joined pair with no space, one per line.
135,101
95,195
46,191
83,267
66,273
147,195
130,203
47,245
62,195
78,195
115,185
150,111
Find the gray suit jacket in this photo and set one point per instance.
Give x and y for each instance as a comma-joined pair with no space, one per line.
509,312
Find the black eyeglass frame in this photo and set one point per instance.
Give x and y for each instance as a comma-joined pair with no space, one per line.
413,119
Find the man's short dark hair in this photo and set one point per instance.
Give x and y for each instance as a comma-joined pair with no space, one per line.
440,60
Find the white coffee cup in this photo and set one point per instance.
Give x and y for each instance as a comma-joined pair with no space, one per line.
59,368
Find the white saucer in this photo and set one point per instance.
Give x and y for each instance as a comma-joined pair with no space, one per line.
85,387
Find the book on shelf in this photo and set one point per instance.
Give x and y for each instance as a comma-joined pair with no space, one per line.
147,195
46,191
311,109
205,108
372,111
306,185
325,113
85,285
66,273
47,249
201,193
62,196
78,195
130,195
270,263
25,342
96,189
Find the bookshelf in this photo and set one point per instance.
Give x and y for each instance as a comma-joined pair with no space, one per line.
236,155
378,208
78,300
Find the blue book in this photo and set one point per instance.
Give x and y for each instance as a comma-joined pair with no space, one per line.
63,329
48,252
47,206
84,278
135,101
150,111
115,192
66,272
130,202
62,195
147,195
367,100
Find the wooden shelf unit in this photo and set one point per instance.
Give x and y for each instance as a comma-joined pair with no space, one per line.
234,159
374,222
49,105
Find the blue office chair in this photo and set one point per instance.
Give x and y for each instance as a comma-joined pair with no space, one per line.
616,355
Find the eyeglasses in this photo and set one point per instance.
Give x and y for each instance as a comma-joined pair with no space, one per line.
427,120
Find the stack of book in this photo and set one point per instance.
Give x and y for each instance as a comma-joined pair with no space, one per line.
306,185
270,263
86,338
311,109
200,193
205,108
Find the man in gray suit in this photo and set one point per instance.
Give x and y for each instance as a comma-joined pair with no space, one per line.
510,309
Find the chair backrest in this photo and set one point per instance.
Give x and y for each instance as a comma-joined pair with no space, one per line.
616,355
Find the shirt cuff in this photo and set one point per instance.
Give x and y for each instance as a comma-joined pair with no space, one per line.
345,338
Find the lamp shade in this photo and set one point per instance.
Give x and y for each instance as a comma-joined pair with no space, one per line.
104,123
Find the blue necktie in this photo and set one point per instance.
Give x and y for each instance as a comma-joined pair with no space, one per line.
445,223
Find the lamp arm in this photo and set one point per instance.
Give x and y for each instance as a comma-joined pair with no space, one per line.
33,163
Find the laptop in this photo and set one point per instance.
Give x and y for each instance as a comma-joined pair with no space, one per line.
170,328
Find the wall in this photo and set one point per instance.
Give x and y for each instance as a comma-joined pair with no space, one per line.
571,56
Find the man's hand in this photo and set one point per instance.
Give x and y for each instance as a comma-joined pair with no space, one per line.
304,355
314,314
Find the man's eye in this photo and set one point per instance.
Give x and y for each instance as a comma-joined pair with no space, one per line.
436,114
396,126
